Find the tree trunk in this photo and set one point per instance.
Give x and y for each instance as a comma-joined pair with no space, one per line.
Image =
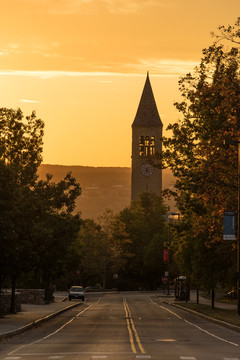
104,272
197,296
48,293
213,297
13,295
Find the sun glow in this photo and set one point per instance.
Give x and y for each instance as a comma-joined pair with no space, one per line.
81,64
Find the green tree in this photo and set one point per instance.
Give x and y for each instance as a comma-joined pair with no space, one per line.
7,234
145,231
91,250
195,152
20,155
112,248
55,229
36,221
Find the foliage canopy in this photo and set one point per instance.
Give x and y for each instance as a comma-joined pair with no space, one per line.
205,170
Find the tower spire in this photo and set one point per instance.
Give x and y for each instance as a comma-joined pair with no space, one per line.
147,113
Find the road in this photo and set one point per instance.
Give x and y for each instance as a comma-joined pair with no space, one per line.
125,326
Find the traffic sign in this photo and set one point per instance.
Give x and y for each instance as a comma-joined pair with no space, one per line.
164,279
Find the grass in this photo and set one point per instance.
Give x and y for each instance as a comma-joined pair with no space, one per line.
229,316
227,301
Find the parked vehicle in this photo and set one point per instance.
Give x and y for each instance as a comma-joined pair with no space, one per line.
76,292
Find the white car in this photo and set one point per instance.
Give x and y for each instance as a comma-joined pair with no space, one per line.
76,292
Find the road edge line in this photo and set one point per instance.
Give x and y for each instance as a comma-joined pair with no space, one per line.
36,322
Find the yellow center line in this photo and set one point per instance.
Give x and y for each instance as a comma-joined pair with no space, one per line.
130,322
129,328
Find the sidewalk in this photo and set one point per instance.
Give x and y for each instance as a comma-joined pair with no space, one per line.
202,300
12,324
218,316
208,301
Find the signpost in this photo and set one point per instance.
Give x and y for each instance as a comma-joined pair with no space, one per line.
164,279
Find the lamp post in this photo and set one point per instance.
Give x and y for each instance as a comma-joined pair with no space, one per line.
234,142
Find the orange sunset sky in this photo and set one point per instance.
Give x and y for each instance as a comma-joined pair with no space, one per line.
82,64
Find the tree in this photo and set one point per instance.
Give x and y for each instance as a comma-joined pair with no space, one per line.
20,155
195,152
55,229
7,235
144,230
100,252
91,248
112,250
36,221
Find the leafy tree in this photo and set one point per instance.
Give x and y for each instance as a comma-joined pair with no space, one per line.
100,252
55,229
90,245
7,235
36,221
129,243
154,267
20,155
112,250
21,142
195,152
144,232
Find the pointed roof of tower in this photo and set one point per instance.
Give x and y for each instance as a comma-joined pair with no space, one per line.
147,113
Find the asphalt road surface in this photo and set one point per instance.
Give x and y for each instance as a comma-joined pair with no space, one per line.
125,326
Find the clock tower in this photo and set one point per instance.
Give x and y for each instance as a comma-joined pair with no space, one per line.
146,134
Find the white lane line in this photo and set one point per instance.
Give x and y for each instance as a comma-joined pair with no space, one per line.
187,358
198,327
12,358
143,356
55,357
162,307
99,357
90,353
55,332
211,334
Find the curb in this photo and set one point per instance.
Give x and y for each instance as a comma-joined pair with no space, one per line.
36,322
219,322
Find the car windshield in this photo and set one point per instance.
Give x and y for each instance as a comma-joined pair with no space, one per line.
76,289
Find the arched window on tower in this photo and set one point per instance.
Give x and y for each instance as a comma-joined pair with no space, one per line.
152,145
147,146
141,145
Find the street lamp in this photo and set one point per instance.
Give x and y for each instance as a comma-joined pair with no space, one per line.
234,142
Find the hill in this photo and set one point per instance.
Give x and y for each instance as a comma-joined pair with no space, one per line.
102,187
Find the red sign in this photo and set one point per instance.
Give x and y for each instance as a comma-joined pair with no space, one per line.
164,279
165,255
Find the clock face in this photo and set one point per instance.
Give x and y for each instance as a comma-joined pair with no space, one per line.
147,169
